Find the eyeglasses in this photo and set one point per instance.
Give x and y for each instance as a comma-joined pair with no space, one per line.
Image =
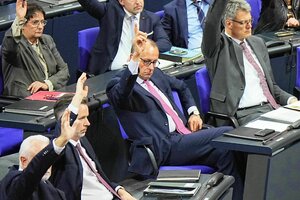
36,23
243,22
149,62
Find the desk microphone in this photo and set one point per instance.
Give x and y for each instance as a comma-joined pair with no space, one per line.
293,126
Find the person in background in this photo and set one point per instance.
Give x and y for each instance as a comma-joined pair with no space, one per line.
184,21
277,15
238,64
30,59
83,177
142,98
29,180
116,19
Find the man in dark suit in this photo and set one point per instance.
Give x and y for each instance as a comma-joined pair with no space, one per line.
182,23
238,63
77,173
29,180
116,18
142,98
278,14
31,61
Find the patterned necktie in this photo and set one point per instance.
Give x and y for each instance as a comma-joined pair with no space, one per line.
134,21
201,15
262,78
99,177
180,127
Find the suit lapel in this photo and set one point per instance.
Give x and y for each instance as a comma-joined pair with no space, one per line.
144,21
182,19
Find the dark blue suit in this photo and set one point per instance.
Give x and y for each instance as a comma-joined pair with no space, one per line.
110,15
67,172
175,23
27,184
145,122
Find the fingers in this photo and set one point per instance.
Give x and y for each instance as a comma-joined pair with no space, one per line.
195,123
36,86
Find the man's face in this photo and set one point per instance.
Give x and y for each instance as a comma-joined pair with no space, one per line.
34,27
82,122
133,6
148,62
241,26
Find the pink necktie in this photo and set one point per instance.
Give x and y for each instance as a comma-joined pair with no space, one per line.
261,76
99,177
180,127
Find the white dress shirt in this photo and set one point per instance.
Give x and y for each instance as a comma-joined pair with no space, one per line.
125,44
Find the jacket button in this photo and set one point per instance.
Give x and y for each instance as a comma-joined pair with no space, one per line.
166,124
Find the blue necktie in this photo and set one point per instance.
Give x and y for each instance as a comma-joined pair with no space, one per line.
201,15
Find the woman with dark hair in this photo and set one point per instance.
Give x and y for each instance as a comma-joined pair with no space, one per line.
31,61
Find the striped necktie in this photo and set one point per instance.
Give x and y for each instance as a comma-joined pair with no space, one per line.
201,15
262,78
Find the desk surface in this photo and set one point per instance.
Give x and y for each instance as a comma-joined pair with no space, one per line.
256,147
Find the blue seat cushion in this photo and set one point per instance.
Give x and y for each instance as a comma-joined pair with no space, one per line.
204,169
10,140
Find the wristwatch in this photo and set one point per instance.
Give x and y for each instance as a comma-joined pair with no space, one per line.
195,112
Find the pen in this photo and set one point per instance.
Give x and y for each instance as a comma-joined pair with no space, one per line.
149,33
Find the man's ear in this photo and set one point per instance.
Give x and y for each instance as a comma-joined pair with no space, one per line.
121,2
23,161
228,23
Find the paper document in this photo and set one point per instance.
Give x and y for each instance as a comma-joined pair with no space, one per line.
165,64
294,106
263,124
283,114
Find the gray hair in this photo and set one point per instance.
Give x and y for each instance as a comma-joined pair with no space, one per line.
30,145
235,5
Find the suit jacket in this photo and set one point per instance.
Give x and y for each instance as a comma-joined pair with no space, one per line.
21,65
277,11
224,60
27,184
143,117
107,42
175,23
67,173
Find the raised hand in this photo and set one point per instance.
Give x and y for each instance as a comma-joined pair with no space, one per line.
67,131
21,8
81,91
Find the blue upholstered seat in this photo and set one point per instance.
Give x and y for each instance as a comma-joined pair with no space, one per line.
86,41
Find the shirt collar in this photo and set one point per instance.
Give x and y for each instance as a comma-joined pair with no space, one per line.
74,143
128,14
234,39
139,80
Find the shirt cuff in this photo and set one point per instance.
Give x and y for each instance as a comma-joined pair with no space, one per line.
50,85
133,67
57,149
192,109
73,109
291,99
17,27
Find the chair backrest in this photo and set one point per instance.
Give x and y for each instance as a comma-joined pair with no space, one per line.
160,13
255,10
86,41
1,75
203,86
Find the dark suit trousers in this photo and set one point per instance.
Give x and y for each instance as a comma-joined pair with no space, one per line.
195,148
246,115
